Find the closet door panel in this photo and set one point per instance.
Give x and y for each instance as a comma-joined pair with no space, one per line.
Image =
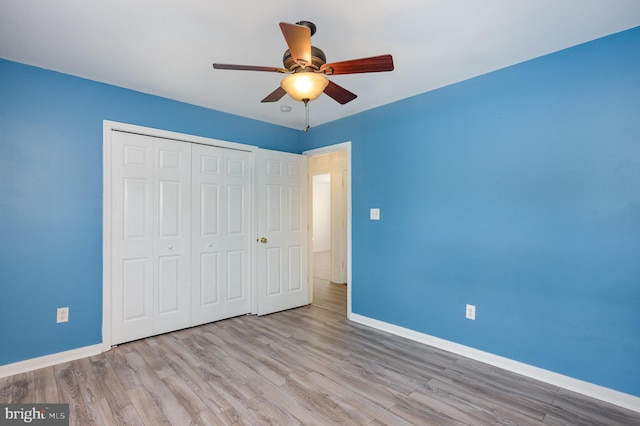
220,239
206,235
132,237
172,219
237,238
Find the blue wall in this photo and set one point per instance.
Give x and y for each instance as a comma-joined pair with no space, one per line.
517,191
51,196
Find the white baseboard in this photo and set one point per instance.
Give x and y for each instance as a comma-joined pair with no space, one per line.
49,360
585,388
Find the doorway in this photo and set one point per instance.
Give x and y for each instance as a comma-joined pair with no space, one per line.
329,251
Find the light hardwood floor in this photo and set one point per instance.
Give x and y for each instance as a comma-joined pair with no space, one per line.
304,366
331,296
322,265
326,294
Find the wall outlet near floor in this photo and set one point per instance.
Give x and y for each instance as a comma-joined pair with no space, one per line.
471,312
374,214
62,315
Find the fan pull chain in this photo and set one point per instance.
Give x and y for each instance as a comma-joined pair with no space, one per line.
306,114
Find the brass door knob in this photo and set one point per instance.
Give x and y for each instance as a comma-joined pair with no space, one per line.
263,240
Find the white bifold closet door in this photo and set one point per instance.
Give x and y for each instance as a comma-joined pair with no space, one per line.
174,205
220,241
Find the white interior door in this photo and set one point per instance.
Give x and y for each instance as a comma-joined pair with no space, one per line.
220,241
281,257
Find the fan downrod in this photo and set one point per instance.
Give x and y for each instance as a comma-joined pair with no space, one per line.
309,25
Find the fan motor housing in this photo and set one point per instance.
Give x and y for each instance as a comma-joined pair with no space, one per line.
317,60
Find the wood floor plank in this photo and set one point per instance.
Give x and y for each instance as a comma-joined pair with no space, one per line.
44,383
417,413
208,418
23,390
454,409
279,396
270,368
159,392
467,396
321,402
189,374
572,408
330,296
307,366
147,349
87,383
487,391
126,375
100,413
507,382
185,347
70,393
184,394
114,393
226,374
6,389
230,393
272,411
146,407
380,415
300,360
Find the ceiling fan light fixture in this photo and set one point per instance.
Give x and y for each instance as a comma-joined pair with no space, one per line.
304,85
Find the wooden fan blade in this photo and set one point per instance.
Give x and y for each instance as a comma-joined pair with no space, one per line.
339,93
373,64
275,96
248,68
298,38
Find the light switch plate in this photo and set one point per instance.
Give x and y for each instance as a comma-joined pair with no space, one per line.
374,214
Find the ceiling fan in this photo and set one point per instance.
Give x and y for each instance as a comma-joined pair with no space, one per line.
307,67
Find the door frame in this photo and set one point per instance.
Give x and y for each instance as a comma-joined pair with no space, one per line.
344,146
109,126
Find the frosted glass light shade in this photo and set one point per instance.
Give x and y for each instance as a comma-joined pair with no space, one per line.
304,85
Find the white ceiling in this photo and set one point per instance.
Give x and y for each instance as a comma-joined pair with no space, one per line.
167,47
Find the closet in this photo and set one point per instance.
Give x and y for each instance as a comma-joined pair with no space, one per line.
180,234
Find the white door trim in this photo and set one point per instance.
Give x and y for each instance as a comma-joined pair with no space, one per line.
344,146
107,127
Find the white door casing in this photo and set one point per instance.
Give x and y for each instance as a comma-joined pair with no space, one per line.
281,257
335,163
345,146
221,233
339,229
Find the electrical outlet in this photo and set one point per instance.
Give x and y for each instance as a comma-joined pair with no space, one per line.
471,312
62,315
374,214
